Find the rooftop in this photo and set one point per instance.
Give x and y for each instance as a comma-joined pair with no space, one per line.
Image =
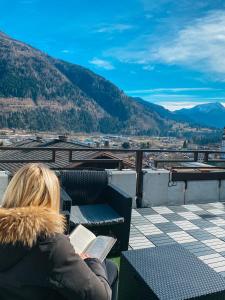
199,228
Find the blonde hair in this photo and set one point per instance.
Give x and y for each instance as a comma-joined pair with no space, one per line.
33,185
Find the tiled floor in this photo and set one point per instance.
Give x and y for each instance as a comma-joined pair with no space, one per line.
198,228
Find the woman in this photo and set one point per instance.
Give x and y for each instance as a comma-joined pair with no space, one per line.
37,260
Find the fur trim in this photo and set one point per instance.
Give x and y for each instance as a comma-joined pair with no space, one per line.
26,224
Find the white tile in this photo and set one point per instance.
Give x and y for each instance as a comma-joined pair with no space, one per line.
140,242
214,260
143,247
217,205
162,210
219,269
216,264
137,240
149,229
218,221
156,219
210,256
189,215
217,231
179,233
134,213
181,237
216,211
192,207
186,225
215,244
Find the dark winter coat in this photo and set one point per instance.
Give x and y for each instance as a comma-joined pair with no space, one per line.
38,262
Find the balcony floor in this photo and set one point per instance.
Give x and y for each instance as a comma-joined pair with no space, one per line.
199,228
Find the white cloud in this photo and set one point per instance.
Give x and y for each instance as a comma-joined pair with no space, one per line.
200,45
148,67
100,63
108,28
170,90
179,105
66,51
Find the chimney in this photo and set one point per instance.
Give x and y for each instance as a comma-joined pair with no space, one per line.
223,145
63,138
106,143
39,138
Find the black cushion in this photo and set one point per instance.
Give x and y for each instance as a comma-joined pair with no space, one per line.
95,214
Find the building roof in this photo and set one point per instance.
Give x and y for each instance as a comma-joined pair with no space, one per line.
61,157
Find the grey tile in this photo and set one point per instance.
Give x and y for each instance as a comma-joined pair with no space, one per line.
201,213
164,243
206,206
140,222
221,216
174,217
200,234
202,223
202,252
198,248
207,216
193,245
178,208
168,227
146,211
161,240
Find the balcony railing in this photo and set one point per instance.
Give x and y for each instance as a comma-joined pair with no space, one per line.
198,156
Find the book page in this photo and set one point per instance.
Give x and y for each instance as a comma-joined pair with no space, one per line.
100,247
80,238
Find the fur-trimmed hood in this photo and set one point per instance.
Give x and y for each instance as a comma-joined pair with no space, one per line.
25,224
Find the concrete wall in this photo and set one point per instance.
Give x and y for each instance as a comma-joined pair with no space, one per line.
222,191
202,191
155,187
159,190
4,179
176,193
125,180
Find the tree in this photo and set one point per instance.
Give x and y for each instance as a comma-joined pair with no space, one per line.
185,144
126,145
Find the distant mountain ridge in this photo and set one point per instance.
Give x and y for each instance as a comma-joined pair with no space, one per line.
209,114
39,92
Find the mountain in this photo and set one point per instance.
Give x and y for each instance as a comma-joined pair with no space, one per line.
210,114
160,110
39,92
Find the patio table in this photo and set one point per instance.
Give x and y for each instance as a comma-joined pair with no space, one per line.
167,273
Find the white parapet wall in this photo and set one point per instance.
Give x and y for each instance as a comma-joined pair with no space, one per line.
176,193
158,189
4,180
222,191
155,187
202,191
125,180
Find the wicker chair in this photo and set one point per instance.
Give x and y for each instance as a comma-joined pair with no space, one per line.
92,202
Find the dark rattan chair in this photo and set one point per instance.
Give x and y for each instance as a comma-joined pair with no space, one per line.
92,202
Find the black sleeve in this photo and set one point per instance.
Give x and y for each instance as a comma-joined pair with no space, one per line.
75,278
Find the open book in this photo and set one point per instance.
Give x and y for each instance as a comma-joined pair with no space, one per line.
84,241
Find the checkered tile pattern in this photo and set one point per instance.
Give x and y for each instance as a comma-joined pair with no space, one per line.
198,228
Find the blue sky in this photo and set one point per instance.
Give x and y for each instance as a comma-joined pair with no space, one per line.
170,52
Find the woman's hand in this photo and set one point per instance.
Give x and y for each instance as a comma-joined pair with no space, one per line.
84,256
